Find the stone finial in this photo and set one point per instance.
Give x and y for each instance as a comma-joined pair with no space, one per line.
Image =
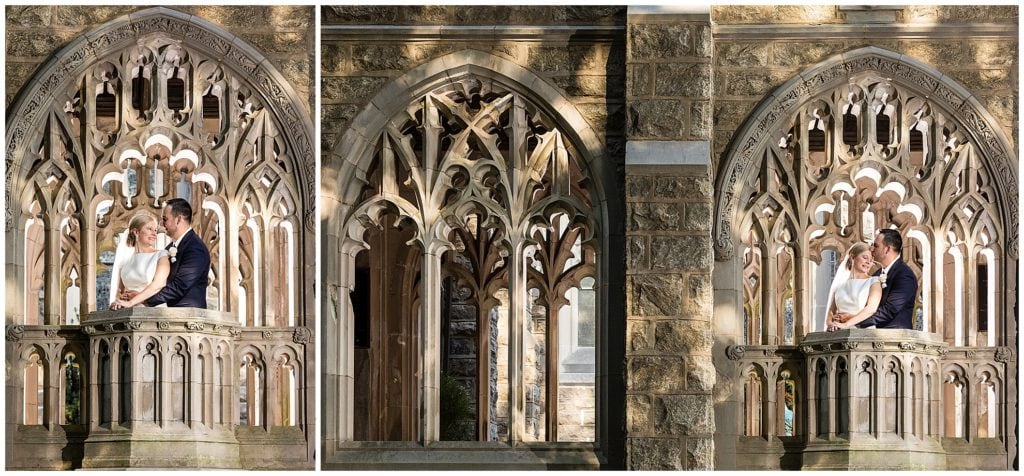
15,333
734,352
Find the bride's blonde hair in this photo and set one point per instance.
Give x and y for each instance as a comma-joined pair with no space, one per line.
138,221
855,250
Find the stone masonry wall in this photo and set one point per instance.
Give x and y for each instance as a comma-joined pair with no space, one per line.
748,69
353,71
670,377
283,34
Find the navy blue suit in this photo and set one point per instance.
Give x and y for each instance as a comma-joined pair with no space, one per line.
896,310
189,275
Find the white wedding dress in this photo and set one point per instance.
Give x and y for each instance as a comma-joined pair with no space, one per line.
852,296
139,270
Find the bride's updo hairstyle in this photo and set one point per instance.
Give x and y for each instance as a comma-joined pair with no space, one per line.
855,251
138,221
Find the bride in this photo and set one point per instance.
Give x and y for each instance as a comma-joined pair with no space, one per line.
145,272
859,295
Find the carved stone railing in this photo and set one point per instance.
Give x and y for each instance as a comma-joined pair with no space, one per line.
159,388
875,399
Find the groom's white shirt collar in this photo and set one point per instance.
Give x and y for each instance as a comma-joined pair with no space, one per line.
886,269
178,241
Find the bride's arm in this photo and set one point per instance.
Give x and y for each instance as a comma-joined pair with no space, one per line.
163,268
874,299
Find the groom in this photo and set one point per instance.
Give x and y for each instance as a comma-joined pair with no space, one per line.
899,285
190,260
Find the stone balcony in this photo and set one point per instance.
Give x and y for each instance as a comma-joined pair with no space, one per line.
872,399
158,388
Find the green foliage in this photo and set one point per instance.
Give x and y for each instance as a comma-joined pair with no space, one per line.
456,411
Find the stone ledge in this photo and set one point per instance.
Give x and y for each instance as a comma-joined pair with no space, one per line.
463,456
673,153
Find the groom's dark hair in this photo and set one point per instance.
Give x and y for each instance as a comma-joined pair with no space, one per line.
180,207
892,239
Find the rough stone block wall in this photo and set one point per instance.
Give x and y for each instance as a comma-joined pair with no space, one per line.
669,409
587,72
283,34
748,69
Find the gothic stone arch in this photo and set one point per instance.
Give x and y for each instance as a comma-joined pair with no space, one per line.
347,172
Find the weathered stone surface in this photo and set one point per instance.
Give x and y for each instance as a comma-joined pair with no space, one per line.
742,54
935,52
657,118
700,293
639,335
351,90
680,187
290,17
596,114
337,117
700,454
1004,108
730,114
584,85
24,44
379,57
681,253
358,14
685,79
333,58
638,185
16,76
654,454
753,14
983,79
636,254
960,14
655,216
658,41
640,83
750,83
700,374
704,45
461,347
296,72
575,58
655,374
638,414
421,53
803,53
684,415
278,43
80,16
683,337
20,15
698,217
700,120
992,52
656,294
462,367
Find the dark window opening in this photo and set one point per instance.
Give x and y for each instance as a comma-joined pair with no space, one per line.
983,298
175,92
140,92
882,122
851,134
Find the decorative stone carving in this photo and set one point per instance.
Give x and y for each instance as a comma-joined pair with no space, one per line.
734,352
1003,354
108,327
806,349
907,346
268,335
195,326
850,345
235,332
971,353
302,335
134,325
163,325
877,345
770,352
89,330
15,333
51,331
942,351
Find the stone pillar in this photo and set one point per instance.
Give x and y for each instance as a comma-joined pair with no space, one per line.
670,377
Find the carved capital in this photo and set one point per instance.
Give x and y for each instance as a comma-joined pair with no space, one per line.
1004,354
108,327
302,335
942,351
15,333
235,332
770,351
807,349
851,345
734,352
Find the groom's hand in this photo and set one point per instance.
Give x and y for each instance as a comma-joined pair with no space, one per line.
841,317
128,295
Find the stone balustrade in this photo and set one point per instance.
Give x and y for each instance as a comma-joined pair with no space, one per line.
157,388
872,399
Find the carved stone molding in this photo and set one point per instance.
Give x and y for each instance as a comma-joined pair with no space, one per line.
302,335
807,349
942,351
919,78
971,353
108,327
770,351
234,331
850,345
734,352
195,326
15,333
907,346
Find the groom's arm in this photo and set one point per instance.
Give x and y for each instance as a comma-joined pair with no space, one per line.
192,268
904,290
